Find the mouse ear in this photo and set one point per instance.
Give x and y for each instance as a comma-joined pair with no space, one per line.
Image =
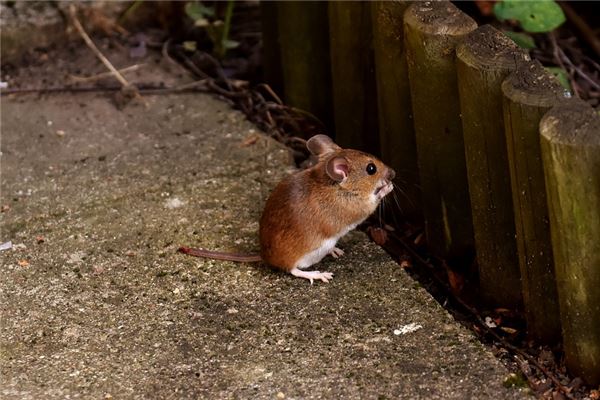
321,144
337,168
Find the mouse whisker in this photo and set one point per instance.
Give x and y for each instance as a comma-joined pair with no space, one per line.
395,196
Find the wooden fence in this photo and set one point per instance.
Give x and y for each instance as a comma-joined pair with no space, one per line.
489,149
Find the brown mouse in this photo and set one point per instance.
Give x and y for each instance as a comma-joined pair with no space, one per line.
309,211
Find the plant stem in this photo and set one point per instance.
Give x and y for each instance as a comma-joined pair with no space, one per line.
226,26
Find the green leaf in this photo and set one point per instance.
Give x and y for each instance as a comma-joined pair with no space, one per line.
198,11
534,16
561,76
522,40
230,44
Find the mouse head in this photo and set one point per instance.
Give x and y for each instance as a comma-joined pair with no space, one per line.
358,172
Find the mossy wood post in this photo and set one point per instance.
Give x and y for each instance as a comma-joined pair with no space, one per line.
271,53
396,132
570,144
527,94
303,39
353,75
432,30
484,59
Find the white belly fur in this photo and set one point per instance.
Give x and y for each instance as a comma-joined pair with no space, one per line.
327,245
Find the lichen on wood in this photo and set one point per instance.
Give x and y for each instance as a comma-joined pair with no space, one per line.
527,94
570,144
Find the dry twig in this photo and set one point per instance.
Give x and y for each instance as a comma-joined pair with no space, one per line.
104,74
88,41
587,33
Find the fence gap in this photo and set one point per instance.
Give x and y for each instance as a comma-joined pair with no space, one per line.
396,132
303,39
353,75
271,51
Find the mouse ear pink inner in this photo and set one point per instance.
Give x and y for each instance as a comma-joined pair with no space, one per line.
337,168
321,144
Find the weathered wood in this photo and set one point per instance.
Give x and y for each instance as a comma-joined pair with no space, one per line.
353,76
396,132
432,30
484,59
570,144
303,39
271,51
527,94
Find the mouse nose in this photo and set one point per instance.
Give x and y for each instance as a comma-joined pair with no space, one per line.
390,174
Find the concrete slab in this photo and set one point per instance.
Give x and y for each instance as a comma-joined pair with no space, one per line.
96,303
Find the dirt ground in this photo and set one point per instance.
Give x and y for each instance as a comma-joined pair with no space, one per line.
96,303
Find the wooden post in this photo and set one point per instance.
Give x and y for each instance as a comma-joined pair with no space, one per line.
303,39
271,54
432,30
484,59
353,75
528,93
570,144
396,132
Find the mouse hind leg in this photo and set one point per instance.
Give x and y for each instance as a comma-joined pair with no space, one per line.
312,275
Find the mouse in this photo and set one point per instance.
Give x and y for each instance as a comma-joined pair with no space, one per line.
309,211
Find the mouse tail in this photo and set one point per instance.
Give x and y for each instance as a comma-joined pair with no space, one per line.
219,255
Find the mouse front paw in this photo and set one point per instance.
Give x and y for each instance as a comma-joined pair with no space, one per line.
336,252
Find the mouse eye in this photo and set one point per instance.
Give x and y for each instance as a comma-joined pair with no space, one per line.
371,169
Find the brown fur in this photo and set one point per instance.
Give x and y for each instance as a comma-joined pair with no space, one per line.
309,207
313,205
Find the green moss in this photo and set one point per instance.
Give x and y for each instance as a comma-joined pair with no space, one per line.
515,381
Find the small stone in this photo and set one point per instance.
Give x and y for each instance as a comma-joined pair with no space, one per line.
280,395
60,133
173,203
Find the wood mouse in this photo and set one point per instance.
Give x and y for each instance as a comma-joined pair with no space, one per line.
310,210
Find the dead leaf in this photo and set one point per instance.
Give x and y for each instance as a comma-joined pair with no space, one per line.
40,239
595,394
510,331
378,235
250,140
23,263
456,280
419,239
388,228
486,7
130,253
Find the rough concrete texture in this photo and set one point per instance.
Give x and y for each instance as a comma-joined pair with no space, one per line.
96,303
